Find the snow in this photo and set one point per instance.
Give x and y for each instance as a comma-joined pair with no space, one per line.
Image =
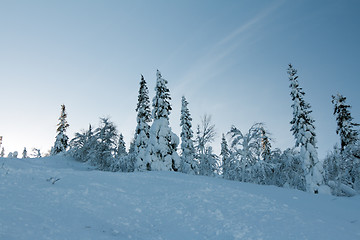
88,204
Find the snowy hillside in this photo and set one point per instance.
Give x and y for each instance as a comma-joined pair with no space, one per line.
58,198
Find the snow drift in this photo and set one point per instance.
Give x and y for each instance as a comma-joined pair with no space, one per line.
59,198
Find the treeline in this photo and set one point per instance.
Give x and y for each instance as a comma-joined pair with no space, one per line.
245,156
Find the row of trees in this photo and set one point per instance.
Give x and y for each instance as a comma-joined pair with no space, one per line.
35,153
246,157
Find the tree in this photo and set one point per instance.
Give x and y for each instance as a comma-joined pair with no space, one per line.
225,158
24,153
2,154
104,145
303,130
131,158
143,119
36,153
345,125
161,154
246,148
188,163
121,156
61,142
265,144
82,144
209,164
205,135
121,148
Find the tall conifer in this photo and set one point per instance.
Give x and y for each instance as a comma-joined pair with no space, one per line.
61,142
303,130
143,119
161,154
188,163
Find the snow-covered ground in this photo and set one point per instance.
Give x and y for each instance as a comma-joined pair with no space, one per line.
58,198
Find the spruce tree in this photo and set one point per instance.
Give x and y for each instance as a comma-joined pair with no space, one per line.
187,163
303,130
2,154
24,153
265,145
103,151
345,126
225,158
161,154
143,119
61,142
121,148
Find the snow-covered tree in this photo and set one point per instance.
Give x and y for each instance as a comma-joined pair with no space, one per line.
303,130
121,148
61,142
143,119
265,145
161,154
15,154
209,164
82,144
289,173
131,158
36,153
121,156
225,158
188,163
246,148
24,153
345,125
103,151
205,134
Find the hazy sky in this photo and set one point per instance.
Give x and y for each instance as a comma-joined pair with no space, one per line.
229,58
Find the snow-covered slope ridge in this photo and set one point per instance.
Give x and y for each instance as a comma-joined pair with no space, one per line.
58,198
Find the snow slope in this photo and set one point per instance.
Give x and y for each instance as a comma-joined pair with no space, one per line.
89,204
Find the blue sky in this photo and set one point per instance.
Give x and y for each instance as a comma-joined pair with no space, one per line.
229,58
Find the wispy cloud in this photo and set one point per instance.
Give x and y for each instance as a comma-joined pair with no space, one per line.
207,66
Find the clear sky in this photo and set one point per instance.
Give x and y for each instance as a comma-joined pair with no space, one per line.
229,58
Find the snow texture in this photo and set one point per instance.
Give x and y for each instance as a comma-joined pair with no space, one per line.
58,198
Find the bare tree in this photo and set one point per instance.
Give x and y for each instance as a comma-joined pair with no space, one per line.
205,133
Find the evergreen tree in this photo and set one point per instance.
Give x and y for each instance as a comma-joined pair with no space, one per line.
209,164
2,154
121,149
187,163
303,130
225,158
82,144
345,125
104,145
24,153
61,142
161,154
265,145
143,119
121,156
131,158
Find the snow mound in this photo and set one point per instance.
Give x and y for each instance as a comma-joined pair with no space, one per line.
59,198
